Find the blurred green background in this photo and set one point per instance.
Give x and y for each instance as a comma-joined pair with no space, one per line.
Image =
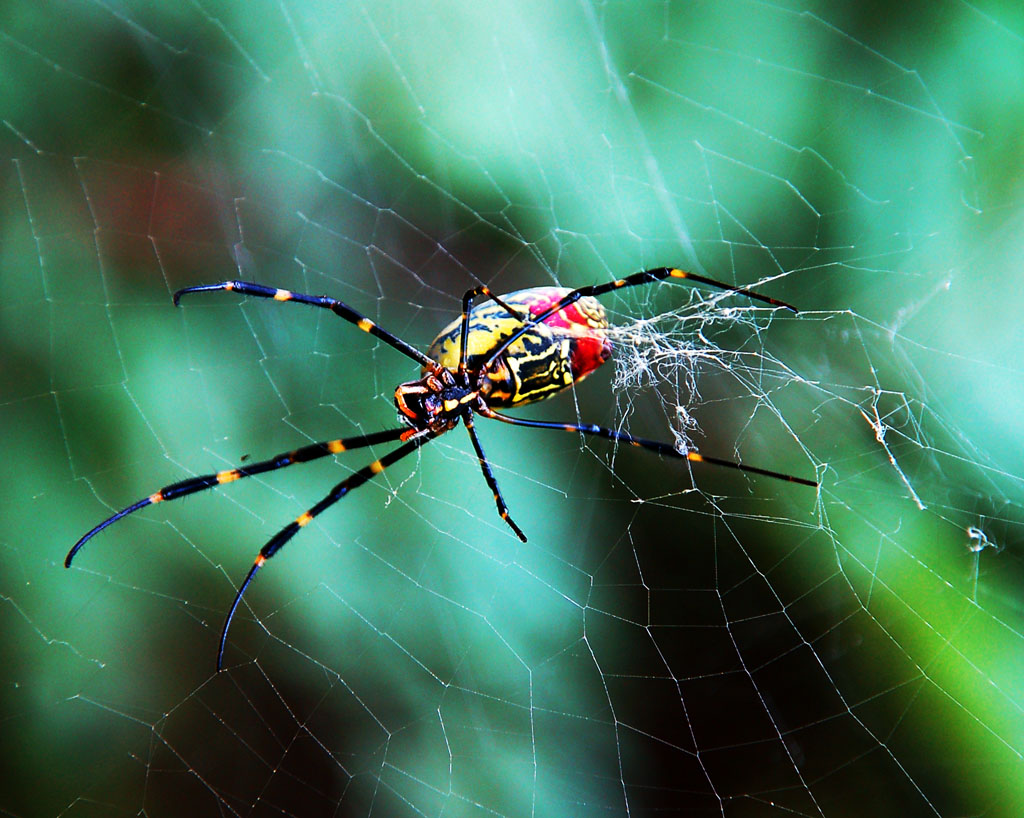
746,648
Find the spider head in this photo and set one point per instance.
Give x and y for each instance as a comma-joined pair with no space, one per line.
436,401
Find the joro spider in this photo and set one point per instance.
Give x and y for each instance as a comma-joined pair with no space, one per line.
515,349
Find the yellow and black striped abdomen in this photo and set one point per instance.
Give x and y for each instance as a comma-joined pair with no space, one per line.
548,358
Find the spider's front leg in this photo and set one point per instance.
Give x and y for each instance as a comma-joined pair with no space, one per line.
339,308
275,543
183,488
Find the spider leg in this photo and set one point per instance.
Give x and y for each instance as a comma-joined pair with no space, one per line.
634,280
339,308
208,481
275,543
467,307
485,467
643,443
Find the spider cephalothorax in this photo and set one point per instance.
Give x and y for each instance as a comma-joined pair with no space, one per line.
435,403
522,347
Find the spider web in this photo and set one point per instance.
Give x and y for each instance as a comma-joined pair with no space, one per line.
673,638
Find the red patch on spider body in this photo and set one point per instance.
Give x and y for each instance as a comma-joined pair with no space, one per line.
584,321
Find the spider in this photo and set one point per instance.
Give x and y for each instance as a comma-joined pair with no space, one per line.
510,351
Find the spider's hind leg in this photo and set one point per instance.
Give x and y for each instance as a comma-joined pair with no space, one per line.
634,280
658,446
467,308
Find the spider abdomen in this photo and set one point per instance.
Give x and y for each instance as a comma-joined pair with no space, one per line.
551,356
